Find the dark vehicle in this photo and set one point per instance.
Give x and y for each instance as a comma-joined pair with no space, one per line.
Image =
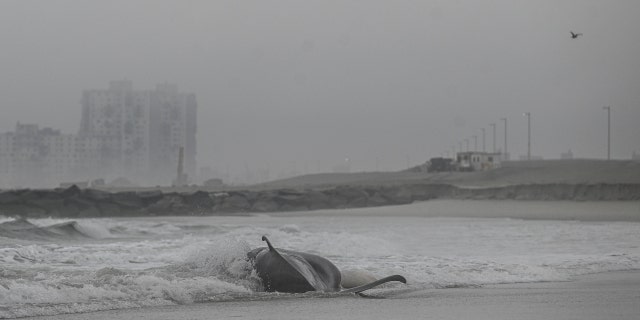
440,164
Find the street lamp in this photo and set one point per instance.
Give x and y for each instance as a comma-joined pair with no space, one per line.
608,108
467,141
528,115
483,138
494,136
475,143
505,137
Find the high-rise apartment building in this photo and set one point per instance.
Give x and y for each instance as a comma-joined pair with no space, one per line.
123,133
141,132
119,119
173,125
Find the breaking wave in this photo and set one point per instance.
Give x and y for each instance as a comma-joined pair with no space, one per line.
119,263
69,230
219,273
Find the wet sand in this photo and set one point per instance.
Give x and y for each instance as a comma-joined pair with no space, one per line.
600,296
613,295
513,209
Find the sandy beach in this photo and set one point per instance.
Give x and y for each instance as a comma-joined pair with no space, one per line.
604,295
597,296
465,259
512,209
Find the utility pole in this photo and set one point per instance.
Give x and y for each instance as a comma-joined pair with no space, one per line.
494,136
505,138
528,115
608,108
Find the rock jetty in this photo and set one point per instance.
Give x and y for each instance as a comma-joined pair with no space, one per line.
75,202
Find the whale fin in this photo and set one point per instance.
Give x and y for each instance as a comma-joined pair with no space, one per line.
298,270
271,248
277,253
376,283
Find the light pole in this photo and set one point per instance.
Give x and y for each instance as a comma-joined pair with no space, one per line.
505,137
494,136
483,138
475,143
608,108
528,115
467,141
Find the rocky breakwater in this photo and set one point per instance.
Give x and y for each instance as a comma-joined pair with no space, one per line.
75,202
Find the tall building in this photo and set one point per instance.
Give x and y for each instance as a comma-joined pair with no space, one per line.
6,159
140,132
123,133
119,119
173,125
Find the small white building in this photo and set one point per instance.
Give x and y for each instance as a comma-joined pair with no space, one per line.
477,161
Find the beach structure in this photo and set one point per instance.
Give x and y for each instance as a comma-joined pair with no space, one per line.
477,161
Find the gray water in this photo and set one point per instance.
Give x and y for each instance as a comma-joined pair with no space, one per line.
54,266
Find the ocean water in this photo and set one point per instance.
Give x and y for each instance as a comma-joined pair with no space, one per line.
57,266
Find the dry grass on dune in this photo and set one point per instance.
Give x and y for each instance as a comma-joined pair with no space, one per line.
511,173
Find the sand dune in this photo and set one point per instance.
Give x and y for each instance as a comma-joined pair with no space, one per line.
511,173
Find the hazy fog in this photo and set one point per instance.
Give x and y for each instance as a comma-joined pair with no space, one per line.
299,86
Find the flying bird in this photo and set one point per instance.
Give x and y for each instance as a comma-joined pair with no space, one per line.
575,35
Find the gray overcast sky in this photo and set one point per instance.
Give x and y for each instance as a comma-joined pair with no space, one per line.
295,85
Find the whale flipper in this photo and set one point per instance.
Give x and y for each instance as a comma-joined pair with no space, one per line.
376,283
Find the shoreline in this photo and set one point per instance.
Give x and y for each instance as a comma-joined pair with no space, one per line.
610,295
507,209
553,210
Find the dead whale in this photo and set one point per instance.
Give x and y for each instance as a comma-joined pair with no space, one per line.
296,272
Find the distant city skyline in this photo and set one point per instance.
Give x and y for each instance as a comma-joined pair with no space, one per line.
124,134
260,174
298,86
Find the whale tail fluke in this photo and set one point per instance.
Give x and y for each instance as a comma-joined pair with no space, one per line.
376,283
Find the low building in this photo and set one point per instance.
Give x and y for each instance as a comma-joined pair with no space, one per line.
566,155
477,161
32,156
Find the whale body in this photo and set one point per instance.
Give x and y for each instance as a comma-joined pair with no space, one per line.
297,272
